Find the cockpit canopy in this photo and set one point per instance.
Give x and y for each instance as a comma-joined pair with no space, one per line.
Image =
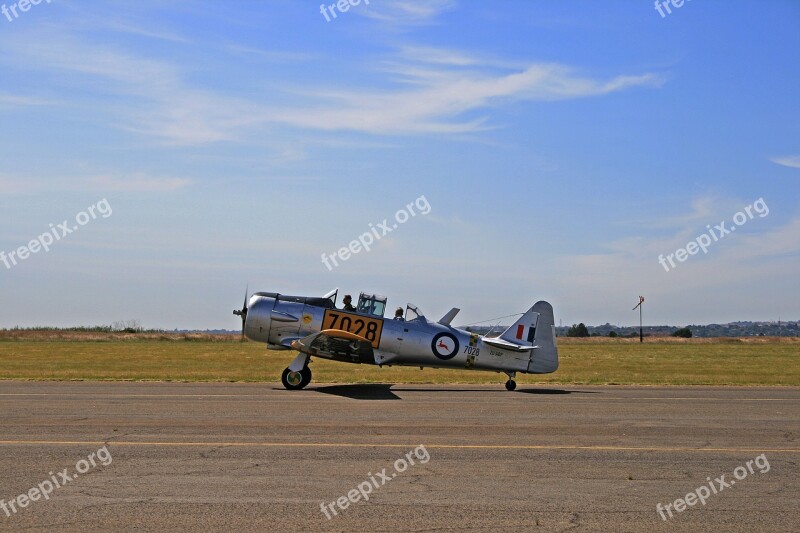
413,313
371,304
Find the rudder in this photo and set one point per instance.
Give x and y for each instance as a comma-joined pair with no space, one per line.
544,358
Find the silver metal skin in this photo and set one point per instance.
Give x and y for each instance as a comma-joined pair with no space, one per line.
316,328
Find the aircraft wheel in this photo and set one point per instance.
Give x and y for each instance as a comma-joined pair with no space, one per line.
306,376
296,380
511,384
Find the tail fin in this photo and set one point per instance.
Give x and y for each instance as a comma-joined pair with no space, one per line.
544,358
535,329
523,331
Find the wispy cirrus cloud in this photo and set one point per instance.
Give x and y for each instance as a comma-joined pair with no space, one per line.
433,100
267,55
158,102
702,209
417,93
792,161
16,100
142,31
739,258
10,185
137,182
755,261
407,12
441,56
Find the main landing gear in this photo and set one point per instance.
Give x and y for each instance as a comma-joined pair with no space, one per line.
296,380
297,375
511,384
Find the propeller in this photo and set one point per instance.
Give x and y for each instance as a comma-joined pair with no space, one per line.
243,312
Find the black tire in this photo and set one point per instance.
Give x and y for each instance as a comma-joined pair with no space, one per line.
296,380
511,385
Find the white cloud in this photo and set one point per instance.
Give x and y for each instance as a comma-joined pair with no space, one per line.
753,262
158,101
406,12
132,183
792,161
431,94
267,55
14,100
15,186
703,209
138,183
425,54
432,100
134,29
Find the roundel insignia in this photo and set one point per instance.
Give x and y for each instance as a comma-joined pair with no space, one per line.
307,319
444,346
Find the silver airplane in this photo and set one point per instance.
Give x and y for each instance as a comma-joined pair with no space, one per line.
316,328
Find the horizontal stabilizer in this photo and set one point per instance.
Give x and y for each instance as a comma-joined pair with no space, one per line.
505,345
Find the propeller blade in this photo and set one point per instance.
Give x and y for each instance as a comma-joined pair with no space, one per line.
243,312
244,309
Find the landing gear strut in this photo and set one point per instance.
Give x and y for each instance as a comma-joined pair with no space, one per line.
511,384
296,380
297,375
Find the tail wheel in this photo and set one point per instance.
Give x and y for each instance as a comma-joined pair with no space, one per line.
296,380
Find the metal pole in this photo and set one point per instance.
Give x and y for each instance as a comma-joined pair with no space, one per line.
639,305
641,331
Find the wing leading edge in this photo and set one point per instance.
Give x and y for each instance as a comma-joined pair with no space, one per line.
338,345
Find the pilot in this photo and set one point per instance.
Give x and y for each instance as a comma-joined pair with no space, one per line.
348,303
398,315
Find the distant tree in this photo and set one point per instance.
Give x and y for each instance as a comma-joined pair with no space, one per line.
127,326
612,333
579,330
685,333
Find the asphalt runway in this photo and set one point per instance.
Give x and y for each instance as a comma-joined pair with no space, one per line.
254,457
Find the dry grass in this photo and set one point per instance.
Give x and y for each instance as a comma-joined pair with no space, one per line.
678,340
48,335
668,361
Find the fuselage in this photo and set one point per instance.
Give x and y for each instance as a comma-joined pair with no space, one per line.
278,320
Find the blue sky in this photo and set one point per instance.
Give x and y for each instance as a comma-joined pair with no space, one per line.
562,146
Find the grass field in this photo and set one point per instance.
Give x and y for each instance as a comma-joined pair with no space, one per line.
172,357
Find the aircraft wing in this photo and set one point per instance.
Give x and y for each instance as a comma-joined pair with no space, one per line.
285,344
337,344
